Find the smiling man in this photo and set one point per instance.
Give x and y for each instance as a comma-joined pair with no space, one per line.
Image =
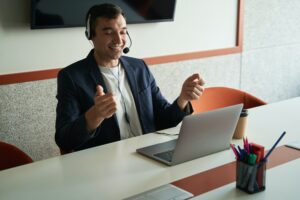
107,97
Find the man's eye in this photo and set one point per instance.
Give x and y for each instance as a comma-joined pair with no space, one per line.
108,32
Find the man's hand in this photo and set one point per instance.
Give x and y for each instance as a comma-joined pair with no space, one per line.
192,89
105,106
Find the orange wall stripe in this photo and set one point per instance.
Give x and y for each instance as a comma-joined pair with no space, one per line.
52,73
190,56
217,177
28,76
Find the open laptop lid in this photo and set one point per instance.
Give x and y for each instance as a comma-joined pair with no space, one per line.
200,134
206,133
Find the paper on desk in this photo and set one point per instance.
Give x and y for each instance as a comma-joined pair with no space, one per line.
165,192
170,131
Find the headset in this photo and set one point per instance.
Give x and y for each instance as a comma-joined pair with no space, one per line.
87,28
89,36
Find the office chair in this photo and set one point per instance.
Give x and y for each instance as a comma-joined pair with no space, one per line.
11,156
218,97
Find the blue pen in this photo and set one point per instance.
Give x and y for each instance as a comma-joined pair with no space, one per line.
243,153
273,147
250,148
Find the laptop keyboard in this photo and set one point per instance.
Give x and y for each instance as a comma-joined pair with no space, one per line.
166,155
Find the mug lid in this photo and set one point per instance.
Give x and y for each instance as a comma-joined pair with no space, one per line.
244,113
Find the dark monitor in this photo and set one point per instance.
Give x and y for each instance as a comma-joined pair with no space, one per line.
71,13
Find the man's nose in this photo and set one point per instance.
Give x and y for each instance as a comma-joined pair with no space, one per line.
117,38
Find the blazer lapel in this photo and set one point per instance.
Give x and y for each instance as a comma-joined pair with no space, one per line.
130,74
97,77
95,72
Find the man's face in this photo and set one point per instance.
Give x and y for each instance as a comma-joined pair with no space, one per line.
110,38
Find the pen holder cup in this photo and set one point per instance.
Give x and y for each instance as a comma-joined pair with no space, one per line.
251,178
240,130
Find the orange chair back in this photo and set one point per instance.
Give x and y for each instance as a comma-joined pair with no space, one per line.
11,156
218,97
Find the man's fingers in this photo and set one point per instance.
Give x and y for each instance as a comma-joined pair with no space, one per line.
192,85
196,78
193,92
106,109
201,81
193,77
104,100
198,90
110,112
99,90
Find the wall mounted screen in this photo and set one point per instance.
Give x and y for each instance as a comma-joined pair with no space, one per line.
71,13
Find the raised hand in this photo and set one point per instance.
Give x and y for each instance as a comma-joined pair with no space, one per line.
192,89
104,107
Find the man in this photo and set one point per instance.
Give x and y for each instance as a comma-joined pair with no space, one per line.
107,97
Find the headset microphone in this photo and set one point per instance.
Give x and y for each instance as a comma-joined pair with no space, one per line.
126,49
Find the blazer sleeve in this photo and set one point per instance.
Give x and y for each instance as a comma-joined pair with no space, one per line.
70,125
166,114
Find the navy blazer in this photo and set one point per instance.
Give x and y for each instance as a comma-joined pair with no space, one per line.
76,88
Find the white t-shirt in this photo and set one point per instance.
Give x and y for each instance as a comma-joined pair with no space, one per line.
117,83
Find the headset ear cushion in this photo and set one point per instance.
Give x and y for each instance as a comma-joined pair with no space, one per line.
87,35
87,30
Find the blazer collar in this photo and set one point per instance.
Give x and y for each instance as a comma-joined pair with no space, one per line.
131,77
98,77
130,74
95,71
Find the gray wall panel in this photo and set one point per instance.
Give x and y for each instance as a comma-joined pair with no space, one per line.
272,73
271,23
216,71
27,117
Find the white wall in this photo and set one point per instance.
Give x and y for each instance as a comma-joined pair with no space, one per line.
198,25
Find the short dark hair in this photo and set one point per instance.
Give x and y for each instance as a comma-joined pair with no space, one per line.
105,10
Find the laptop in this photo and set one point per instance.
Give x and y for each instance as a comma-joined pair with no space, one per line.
200,135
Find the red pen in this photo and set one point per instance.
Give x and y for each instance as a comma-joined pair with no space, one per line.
235,151
259,151
246,145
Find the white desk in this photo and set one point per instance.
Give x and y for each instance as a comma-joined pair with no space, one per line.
115,171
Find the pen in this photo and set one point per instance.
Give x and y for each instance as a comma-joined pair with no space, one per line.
258,150
251,160
250,148
243,153
234,151
273,147
246,145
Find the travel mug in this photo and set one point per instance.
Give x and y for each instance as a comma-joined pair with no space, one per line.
240,129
